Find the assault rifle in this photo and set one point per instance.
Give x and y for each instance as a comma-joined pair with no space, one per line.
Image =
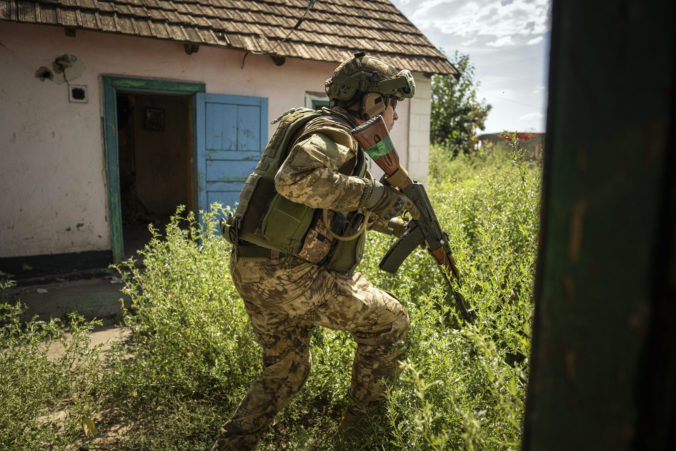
424,230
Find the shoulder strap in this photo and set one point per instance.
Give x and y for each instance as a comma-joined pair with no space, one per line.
332,123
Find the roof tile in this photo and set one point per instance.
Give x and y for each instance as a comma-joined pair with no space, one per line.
105,6
26,11
47,14
331,30
125,25
143,27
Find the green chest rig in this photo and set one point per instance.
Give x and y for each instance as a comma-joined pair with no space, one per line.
269,220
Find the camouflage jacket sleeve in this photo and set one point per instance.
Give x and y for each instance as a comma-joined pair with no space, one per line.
317,172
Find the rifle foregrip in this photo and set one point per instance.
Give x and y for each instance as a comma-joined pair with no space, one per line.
401,249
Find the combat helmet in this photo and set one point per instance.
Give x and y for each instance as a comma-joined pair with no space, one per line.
362,75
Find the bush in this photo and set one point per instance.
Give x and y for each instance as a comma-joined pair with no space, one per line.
465,387
192,353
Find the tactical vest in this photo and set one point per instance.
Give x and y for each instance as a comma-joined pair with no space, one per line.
267,219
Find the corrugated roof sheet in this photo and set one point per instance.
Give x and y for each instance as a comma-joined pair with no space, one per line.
332,29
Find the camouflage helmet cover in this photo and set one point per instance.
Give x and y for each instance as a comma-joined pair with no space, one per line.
363,74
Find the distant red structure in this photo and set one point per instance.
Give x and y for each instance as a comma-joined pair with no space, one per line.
522,136
532,142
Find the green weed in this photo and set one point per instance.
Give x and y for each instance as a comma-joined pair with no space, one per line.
192,352
47,399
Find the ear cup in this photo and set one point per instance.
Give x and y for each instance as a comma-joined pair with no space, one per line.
372,104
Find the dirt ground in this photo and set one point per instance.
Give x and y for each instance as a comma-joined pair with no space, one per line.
97,297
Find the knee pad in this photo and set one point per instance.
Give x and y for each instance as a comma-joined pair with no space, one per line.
400,325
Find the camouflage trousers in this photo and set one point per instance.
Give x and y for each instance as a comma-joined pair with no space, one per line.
284,299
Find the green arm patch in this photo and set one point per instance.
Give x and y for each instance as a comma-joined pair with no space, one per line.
381,148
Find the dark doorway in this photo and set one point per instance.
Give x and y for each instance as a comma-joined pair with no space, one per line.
155,145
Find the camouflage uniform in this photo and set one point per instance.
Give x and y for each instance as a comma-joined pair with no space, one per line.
285,296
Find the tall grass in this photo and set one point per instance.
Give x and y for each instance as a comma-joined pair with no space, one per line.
192,352
45,401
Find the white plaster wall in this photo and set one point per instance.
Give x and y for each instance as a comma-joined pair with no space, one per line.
53,196
419,129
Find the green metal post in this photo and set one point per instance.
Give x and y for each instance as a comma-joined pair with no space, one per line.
603,368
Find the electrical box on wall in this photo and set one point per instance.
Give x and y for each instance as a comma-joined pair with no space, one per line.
77,94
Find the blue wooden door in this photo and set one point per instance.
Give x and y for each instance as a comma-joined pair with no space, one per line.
232,132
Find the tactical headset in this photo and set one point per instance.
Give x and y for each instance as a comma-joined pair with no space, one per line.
374,79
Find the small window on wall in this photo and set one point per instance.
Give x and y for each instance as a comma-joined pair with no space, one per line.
316,100
320,103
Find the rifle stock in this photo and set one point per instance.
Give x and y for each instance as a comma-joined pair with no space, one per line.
374,137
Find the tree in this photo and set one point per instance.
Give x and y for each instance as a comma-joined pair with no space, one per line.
456,112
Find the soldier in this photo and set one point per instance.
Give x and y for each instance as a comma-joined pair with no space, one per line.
298,235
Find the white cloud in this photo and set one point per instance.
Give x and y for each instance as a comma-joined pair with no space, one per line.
532,122
540,89
501,42
496,18
530,117
508,43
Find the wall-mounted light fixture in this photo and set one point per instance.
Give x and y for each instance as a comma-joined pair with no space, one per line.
63,69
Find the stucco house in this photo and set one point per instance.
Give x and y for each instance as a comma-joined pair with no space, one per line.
116,111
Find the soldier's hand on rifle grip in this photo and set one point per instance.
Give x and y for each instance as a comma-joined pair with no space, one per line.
397,226
386,201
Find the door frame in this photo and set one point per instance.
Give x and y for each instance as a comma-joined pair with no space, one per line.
111,84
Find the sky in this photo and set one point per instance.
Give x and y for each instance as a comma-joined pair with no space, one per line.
507,42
